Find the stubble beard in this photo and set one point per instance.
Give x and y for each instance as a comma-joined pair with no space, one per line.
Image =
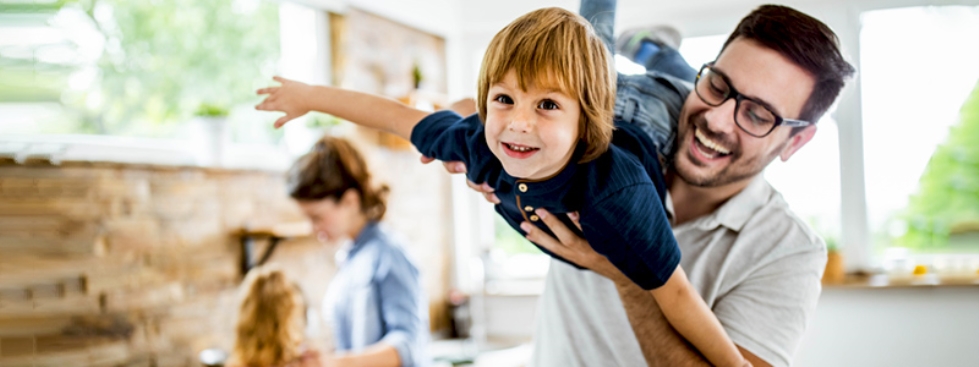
737,169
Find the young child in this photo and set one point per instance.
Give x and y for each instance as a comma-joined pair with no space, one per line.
271,319
543,138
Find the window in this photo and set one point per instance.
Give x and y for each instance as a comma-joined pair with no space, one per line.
134,68
921,129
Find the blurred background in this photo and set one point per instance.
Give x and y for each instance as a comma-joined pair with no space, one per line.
135,174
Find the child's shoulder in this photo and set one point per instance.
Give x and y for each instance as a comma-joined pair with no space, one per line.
617,166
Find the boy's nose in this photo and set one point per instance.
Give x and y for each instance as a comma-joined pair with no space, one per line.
521,121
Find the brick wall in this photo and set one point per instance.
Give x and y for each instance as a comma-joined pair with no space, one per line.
108,264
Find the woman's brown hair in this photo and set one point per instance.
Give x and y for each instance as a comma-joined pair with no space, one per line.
332,167
271,319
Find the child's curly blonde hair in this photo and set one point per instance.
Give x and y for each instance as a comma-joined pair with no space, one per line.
271,319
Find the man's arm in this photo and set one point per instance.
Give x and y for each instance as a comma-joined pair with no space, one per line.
296,99
661,344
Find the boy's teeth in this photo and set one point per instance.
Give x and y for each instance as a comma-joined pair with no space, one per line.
519,148
710,143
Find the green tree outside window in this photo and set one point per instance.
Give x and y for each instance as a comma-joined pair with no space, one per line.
947,203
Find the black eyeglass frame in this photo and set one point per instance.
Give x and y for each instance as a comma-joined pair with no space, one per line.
738,97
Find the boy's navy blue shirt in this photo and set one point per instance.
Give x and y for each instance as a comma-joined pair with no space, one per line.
619,195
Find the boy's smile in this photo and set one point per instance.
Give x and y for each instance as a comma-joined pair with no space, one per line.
532,132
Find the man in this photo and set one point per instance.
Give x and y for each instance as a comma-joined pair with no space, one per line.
755,264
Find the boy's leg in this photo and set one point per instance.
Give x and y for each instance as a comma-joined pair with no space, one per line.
601,15
656,49
647,101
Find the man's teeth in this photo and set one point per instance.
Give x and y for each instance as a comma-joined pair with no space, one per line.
710,143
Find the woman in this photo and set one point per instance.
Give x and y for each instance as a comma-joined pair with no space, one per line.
378,311
271,320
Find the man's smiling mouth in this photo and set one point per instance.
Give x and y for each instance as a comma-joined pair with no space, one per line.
709,148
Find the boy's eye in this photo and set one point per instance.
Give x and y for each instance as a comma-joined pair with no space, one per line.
547,105
503,98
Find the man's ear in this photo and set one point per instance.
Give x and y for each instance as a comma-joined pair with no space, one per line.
797,141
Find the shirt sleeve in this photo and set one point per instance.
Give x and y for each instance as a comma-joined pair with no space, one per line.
402,306
630,228
767,313
446,136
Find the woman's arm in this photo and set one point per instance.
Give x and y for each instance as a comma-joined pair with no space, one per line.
379,354
296,99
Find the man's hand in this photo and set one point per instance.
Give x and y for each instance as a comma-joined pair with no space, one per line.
290,98
458,167
569,246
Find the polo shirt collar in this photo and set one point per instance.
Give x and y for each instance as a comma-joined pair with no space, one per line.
738,209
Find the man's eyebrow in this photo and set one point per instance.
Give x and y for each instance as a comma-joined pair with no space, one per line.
757,100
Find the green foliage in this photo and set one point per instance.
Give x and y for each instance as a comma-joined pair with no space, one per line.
211,110
511,241
949,186
322,120
162,59
173,54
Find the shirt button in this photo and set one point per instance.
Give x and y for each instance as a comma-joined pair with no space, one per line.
528,208
522,187
534,218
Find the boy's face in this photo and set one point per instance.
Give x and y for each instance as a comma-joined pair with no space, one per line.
532,132
712,150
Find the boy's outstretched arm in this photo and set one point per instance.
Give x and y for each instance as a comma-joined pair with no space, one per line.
297,98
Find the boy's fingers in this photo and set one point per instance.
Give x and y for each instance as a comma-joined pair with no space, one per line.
279,79
265,106
268,90
560,230
427,160
282,121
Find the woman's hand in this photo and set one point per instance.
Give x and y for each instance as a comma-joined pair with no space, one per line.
290,97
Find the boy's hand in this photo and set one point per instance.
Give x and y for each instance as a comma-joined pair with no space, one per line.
458,167
289,98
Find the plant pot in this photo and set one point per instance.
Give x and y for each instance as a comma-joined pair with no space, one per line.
834,273
212,136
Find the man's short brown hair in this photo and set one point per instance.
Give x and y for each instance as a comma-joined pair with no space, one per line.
555,48
805,41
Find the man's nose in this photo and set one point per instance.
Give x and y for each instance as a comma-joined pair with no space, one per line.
720,119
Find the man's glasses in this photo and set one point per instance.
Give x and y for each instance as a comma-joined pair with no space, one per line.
750,115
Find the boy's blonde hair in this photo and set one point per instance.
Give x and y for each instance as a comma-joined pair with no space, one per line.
270,321
555,48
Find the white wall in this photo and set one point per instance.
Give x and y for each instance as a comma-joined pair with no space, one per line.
894,327
912,327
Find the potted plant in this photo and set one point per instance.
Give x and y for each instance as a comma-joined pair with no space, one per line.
211,133
834,273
